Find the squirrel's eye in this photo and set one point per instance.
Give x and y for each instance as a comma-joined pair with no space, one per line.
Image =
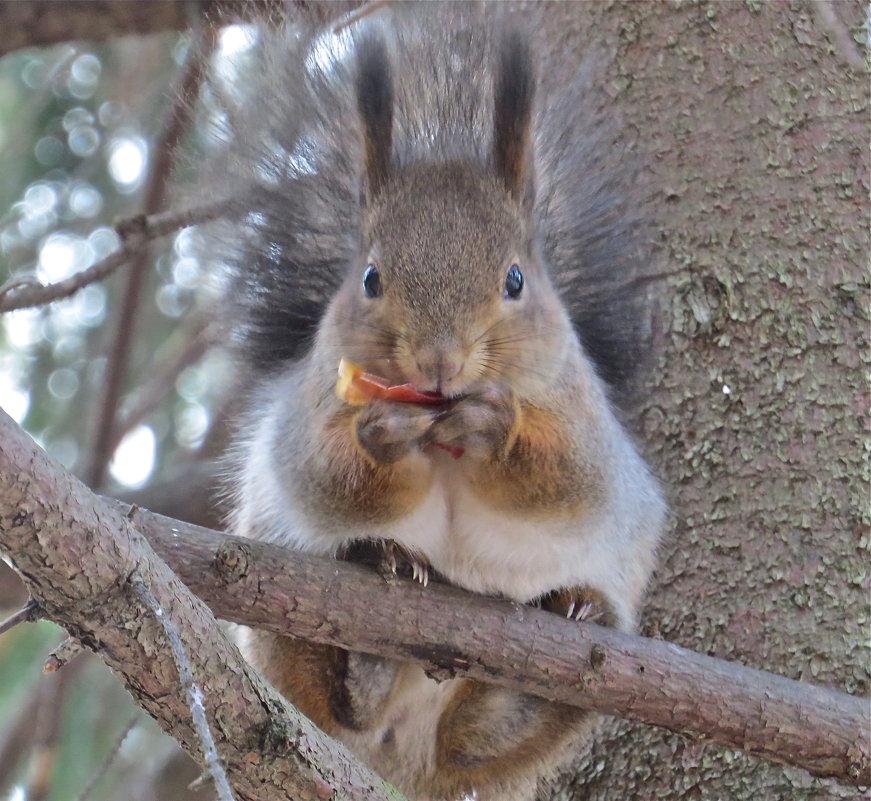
514,282
372,282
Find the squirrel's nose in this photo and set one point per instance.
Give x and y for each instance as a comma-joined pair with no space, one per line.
438,367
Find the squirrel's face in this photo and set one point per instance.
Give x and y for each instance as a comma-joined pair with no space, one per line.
449,291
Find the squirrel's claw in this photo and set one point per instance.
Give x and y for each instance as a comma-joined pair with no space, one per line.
420,572
583,609
588,611
393,555
579,604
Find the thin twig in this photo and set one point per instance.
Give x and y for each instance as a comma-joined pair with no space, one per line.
196,339
358,14
19,734
136,232
43,753
27,614
192,691
110,758
127,312
68,650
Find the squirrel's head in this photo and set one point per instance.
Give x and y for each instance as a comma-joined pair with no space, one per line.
449,289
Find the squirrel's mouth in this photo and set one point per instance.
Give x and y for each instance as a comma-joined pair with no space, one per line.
357,386
439,368
444,371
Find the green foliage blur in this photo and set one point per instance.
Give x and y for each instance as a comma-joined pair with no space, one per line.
77,127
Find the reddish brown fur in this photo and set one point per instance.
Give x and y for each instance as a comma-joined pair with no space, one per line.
538,475
357,487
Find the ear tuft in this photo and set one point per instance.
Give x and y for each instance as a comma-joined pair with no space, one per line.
512,117
375,104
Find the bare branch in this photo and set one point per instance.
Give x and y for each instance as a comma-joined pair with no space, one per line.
31,23
46,724
28,613
448,631
192,691
79,555
68,650
34,23
19,735
135,233
110,758
359,13
190,342
16,738
453,633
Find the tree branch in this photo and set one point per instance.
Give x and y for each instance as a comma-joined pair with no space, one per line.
109,759
29,612
193,692
448,631
453,633
188,344
34,23
80,558
135,233
19,737
126,314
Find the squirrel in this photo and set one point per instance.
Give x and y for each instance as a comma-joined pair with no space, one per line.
406,202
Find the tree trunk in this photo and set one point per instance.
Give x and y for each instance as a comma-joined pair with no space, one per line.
752,122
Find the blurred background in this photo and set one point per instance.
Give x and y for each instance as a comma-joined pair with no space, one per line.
752,119
119,382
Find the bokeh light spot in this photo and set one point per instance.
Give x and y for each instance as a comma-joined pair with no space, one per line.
127,159
134,457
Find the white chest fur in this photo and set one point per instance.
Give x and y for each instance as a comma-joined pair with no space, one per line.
478,547
483,550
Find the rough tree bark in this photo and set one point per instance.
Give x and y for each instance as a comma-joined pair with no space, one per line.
31,23
448,631
453,633
754,129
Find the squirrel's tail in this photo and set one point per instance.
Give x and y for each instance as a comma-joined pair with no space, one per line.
594,229
287,158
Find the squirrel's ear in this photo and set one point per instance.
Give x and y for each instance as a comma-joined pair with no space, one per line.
375,104
512,116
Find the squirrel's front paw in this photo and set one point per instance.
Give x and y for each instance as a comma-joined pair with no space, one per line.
580,603
387,431
482,424
395,556
389,557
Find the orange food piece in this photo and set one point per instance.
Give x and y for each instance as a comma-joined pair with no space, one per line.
357,388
